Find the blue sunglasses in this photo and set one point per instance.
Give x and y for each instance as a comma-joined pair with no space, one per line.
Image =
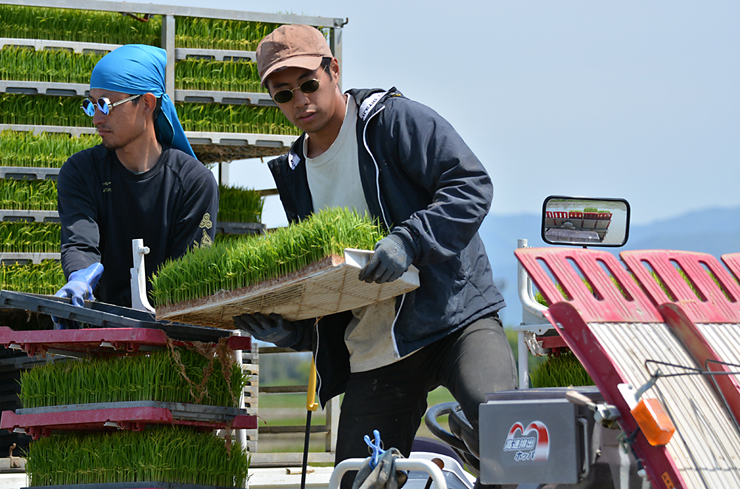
103,104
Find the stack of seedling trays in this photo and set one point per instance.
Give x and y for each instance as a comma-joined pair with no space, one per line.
138,409
29,243
47,54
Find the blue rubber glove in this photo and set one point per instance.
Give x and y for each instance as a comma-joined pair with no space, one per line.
392,257
272,328
79,288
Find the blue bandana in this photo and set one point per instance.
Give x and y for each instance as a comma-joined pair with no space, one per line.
139,69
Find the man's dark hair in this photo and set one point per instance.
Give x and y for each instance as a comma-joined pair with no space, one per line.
157,109
326,64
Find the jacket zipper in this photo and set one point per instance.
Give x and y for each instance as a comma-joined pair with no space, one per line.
385,219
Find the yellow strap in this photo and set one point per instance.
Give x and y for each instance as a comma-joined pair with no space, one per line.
311,403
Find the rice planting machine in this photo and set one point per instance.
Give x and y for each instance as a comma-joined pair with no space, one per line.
658,334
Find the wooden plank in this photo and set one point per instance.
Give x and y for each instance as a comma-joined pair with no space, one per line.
325,287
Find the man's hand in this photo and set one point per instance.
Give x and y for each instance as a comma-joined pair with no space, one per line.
272,328
79,289
391,259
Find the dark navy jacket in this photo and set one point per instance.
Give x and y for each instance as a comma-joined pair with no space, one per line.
424,183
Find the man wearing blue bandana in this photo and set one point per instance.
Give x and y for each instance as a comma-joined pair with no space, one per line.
143,181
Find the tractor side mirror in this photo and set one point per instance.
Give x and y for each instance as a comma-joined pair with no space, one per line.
585,221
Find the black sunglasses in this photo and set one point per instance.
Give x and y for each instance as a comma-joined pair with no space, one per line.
285,96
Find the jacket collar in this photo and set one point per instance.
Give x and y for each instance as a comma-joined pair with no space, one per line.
367,101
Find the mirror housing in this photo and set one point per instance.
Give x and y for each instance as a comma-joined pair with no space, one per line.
585,221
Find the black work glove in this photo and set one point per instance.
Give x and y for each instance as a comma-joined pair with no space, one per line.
272,328
393,256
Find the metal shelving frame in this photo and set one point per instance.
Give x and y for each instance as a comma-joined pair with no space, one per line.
263,144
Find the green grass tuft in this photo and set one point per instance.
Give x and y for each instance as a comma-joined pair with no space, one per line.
65,111
30,237
45,150
46,66
44,278
560,371
164,454
238,204
227,76
152,377
77,25
191,32
232,264
28,195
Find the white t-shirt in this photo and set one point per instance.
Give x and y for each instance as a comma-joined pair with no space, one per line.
334,181
334,175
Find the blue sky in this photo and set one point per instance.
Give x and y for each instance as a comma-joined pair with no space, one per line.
625,98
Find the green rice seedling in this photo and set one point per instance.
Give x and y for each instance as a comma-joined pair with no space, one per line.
30,237
233,264
18,21
46,150
44,278
201,375
227,76
65,111
231,238
42,110
238,204
560,371
28,195
163,454
46,66
204,33
233,118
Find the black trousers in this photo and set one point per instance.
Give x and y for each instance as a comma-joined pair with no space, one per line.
393,399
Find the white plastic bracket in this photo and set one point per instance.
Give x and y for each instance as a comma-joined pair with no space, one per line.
138,277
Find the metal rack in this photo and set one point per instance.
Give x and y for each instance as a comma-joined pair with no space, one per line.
210,146
255,146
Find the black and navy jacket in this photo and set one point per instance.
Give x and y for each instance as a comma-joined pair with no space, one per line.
422,182
103,206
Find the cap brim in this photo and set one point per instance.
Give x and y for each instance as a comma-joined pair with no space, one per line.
303,62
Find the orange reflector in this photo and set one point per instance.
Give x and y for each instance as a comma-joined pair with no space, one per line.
653,421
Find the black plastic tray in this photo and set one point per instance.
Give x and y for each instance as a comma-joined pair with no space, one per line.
102,315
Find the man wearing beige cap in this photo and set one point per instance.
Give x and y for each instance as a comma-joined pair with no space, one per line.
399,161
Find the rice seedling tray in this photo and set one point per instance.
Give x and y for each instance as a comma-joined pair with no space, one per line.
44,88
99,314
240,139
42,44
39,128
230,98
97,341
328,286
215,54
240,228
131,485
28,173
82,90
28,215
26,258
134,416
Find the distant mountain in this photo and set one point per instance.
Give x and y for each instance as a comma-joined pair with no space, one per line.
713,231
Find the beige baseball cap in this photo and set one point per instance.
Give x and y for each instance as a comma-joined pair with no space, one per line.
291,46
